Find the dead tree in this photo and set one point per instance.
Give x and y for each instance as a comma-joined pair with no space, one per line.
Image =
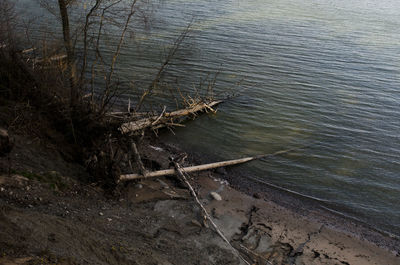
71,67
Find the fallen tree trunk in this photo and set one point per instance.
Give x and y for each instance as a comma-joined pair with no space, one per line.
166,117
173,171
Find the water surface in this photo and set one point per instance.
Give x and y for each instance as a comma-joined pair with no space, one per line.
320,73
323,74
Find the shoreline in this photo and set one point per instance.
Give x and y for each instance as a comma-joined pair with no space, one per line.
315,203
309,241
311,208
157,221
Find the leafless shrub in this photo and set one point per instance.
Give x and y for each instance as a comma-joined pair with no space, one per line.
7,23
76,83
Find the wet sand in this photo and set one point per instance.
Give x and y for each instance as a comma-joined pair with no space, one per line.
282,236
285,228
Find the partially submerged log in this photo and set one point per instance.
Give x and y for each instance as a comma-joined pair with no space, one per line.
166,118
172,171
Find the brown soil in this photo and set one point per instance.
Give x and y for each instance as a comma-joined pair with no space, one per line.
47,217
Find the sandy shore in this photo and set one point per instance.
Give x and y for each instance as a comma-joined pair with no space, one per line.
281,236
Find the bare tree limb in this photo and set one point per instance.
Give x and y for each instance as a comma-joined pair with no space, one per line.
107,92
138,160
85,41
167,60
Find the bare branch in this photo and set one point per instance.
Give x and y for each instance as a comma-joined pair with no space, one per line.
163,67
107,91
85,41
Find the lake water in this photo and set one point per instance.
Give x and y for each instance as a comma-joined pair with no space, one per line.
318,73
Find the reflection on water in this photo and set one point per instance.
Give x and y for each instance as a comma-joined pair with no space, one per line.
324,73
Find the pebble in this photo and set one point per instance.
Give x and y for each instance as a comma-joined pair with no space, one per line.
139,186
165,185
101,214
2,189
257,195
196,223
216,196
215,213
156,148
109,219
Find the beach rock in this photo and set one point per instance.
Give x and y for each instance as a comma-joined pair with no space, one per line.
216,212
196,223
257,195
216,196
163,184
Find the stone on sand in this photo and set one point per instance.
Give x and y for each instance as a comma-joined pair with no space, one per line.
216,196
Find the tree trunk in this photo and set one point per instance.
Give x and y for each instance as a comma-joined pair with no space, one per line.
71,67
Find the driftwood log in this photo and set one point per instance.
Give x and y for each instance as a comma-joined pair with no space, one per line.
172,171
166,118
